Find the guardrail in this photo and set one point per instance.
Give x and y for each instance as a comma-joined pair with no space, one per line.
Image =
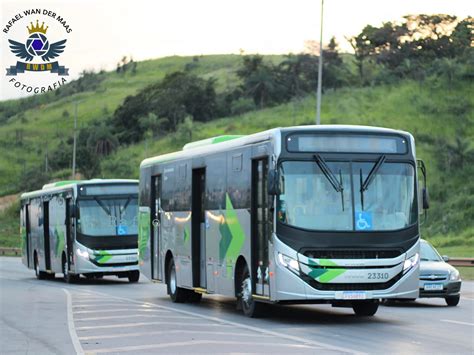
461,261
10,251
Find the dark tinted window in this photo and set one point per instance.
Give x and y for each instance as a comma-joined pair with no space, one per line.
238,179
216,171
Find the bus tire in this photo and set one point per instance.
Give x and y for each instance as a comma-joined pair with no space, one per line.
134,276
194,297
177,294
40,275
250,307
365,308
68,278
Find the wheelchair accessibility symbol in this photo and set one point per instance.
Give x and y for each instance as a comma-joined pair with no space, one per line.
363,221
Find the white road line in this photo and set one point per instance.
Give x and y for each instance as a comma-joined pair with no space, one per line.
219,321
122,335
70,323
133,316
96,311
467,298
457,322
95,305
190,343
129,325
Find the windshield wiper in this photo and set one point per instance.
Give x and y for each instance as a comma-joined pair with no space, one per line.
337,185
364,185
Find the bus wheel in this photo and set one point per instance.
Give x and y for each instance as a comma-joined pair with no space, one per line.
250,307
177,294
365,308
134,276
194,297
40,275
66,275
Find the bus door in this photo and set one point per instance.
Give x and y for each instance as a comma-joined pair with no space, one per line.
261,227
156,269
69,230
198,228
26,251
47,250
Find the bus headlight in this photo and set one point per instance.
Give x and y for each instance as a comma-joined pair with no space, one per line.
454,275
411,262
288,262
82,253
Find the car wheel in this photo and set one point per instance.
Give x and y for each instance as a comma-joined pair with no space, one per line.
365,308
452,301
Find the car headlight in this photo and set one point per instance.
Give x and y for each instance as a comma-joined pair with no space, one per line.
454,275
411,262
289,263
83,253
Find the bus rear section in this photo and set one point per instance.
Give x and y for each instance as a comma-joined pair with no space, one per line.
82,228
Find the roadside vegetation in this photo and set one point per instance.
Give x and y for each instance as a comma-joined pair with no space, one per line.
415,75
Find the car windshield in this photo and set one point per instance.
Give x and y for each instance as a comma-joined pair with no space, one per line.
108,216
428,253
309,200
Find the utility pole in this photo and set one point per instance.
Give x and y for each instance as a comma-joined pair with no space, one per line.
74,144
320,70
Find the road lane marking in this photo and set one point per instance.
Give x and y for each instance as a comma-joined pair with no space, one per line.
99,305
191,343
70,323
128,325
162,332
457,322
133,316
220,322
122,310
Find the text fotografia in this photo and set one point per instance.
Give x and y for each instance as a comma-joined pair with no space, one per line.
37,46
37,89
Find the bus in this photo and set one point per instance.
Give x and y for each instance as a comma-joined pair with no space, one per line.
81,227
308,214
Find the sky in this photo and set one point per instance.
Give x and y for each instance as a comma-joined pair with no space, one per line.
103,31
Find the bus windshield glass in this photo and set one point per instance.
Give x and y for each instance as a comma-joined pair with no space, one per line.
310,201
101,216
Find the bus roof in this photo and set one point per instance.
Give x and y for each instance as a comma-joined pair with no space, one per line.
62,185
223,143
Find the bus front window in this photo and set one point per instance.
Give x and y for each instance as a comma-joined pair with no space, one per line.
108,216
310,201
329,196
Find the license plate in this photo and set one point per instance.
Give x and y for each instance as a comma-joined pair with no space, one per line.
354,295
433,287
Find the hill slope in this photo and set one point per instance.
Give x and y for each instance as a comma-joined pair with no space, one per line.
440,119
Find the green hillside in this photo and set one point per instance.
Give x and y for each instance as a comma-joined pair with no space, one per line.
437,113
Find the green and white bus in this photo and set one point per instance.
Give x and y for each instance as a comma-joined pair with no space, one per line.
81,227
311,214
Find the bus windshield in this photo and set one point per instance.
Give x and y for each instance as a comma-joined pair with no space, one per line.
101,216
310,201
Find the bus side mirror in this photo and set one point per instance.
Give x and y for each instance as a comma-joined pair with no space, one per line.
73,210
273,182
426,198
424,191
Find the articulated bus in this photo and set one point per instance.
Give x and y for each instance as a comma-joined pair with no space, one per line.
310,214
81,227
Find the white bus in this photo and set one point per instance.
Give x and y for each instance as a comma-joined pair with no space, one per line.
313,214
81,227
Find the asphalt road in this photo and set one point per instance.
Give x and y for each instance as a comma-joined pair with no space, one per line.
113,316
